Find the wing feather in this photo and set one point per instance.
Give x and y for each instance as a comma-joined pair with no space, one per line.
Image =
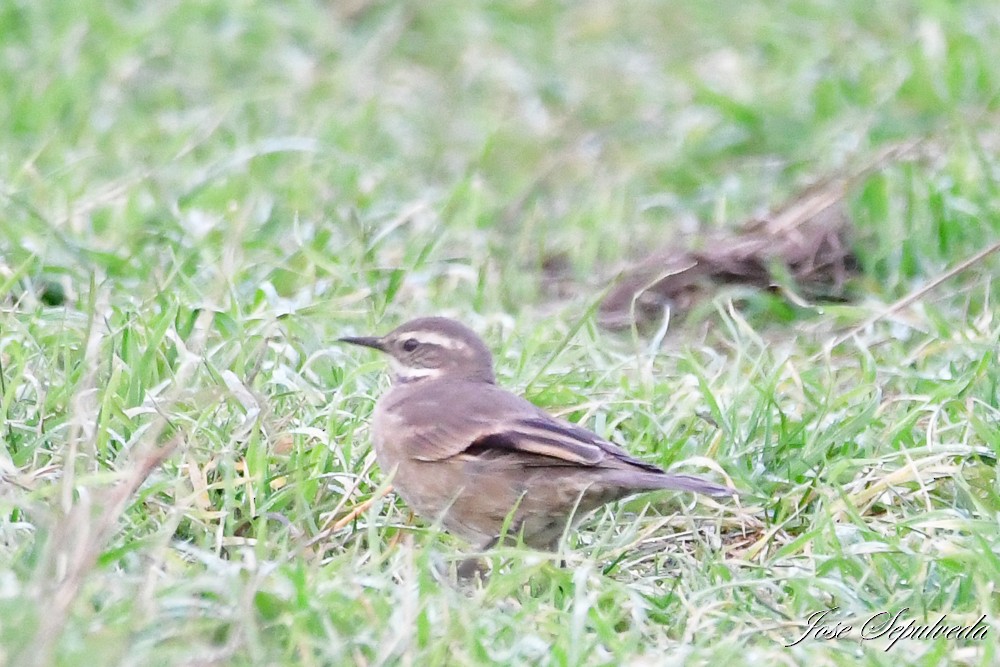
495,423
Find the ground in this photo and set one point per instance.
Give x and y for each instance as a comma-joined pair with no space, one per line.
197,199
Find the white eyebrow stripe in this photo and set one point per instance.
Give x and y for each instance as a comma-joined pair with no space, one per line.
431,338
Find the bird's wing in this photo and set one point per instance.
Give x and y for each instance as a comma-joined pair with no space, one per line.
495,423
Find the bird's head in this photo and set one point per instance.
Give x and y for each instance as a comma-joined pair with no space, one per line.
431,348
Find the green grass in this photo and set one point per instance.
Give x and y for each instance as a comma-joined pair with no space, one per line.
197,199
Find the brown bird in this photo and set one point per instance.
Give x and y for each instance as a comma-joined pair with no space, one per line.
478,458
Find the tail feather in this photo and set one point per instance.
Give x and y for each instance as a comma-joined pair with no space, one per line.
678,482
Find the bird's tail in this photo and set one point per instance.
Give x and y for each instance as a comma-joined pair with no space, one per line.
675,482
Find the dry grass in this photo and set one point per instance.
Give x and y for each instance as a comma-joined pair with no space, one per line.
195,201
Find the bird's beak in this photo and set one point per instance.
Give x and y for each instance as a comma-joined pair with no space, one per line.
373,342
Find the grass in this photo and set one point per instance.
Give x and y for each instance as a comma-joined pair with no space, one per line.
196,200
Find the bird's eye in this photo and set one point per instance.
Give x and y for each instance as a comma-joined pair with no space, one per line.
410,344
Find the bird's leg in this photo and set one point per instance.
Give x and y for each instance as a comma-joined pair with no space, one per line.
470,567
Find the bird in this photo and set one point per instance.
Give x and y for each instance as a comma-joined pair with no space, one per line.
483,461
